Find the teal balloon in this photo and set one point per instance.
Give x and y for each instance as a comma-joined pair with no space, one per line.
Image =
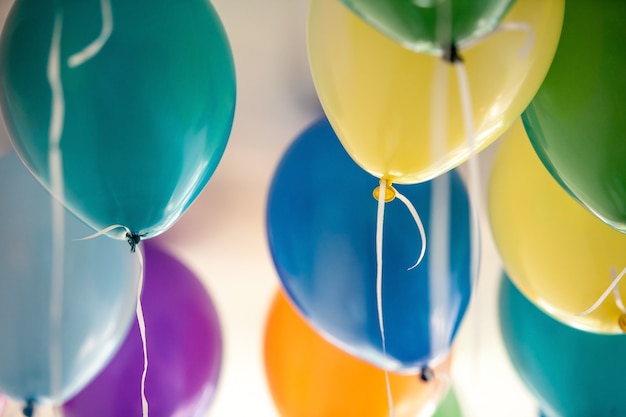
570,372
98,298
141,92
576,122
431,26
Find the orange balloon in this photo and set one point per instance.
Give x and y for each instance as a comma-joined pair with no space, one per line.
309,377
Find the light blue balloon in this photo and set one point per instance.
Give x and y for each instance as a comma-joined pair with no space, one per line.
570,372
143,94
100,289
321,223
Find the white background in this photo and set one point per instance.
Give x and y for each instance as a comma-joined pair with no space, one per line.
222,236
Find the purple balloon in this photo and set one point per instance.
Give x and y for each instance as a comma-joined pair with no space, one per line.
184,350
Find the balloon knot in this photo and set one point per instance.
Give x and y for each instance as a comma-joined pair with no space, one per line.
427,374
133,240
621,321
390,193
29,408
451,53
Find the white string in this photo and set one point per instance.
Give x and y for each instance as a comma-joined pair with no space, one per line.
106,230
439,253
505,27
616,293
476,207
604,295
379,281
142,332
418,222
438,263
55,166
474,171
94,47
135,246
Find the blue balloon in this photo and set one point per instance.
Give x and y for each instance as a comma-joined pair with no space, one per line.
570,372
321,225
139,94
98,301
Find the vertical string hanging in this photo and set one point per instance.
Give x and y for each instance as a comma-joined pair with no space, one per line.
55,165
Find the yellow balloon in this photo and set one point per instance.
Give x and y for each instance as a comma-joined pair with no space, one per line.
555,251
378,95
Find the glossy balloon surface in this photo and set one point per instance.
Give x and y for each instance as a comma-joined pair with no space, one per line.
321,220
571,373
309,377
576,122
386,103
556,252
429,26
184,351
139,94
98,294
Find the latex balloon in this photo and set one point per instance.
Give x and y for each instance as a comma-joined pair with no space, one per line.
576,122
321,221
557,253
98,295
184,346
5,142
571,373
2,401
449,407
137,98
431,25
309,377
380,97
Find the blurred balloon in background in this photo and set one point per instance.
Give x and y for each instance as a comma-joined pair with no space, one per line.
184,346
309,377
138,95
321,223
449,406
556,252
5,142
430,26
98,298
2,401
379,96
576,121
571,373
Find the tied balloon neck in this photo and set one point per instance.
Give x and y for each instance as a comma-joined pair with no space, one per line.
29,408
390,192
451,54
133,240
427,374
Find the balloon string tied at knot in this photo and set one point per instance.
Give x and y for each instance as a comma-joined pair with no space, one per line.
427,374
390,194
29,408
451,53
133,240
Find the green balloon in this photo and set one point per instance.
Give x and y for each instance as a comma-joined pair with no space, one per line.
449,407
139,93
431,26
577,121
